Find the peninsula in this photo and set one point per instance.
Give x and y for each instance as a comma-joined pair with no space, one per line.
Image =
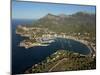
46,30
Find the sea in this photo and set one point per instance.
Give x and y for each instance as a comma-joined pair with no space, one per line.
22,58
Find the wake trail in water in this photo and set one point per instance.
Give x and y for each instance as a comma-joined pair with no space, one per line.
69,43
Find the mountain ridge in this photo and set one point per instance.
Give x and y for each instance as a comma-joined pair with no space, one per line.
77,22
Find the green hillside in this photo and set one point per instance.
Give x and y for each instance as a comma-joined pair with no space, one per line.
78,22
63,60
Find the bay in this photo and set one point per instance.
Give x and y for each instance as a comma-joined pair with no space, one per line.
24,58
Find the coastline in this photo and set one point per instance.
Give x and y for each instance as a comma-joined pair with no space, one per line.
48,37
57,59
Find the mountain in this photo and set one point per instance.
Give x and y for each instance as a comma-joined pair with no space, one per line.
78,22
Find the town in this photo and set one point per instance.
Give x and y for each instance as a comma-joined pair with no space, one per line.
43,37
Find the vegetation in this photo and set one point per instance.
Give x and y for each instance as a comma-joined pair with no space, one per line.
81,25
78,22
63,60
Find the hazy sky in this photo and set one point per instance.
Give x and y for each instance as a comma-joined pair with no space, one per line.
32,10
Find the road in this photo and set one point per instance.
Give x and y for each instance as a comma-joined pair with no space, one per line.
60,61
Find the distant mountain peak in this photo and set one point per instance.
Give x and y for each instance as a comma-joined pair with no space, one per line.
76,22
82,13
62,15
50,16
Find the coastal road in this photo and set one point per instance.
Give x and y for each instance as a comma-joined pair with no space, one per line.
60,61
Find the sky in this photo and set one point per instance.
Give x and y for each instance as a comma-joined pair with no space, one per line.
33,10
